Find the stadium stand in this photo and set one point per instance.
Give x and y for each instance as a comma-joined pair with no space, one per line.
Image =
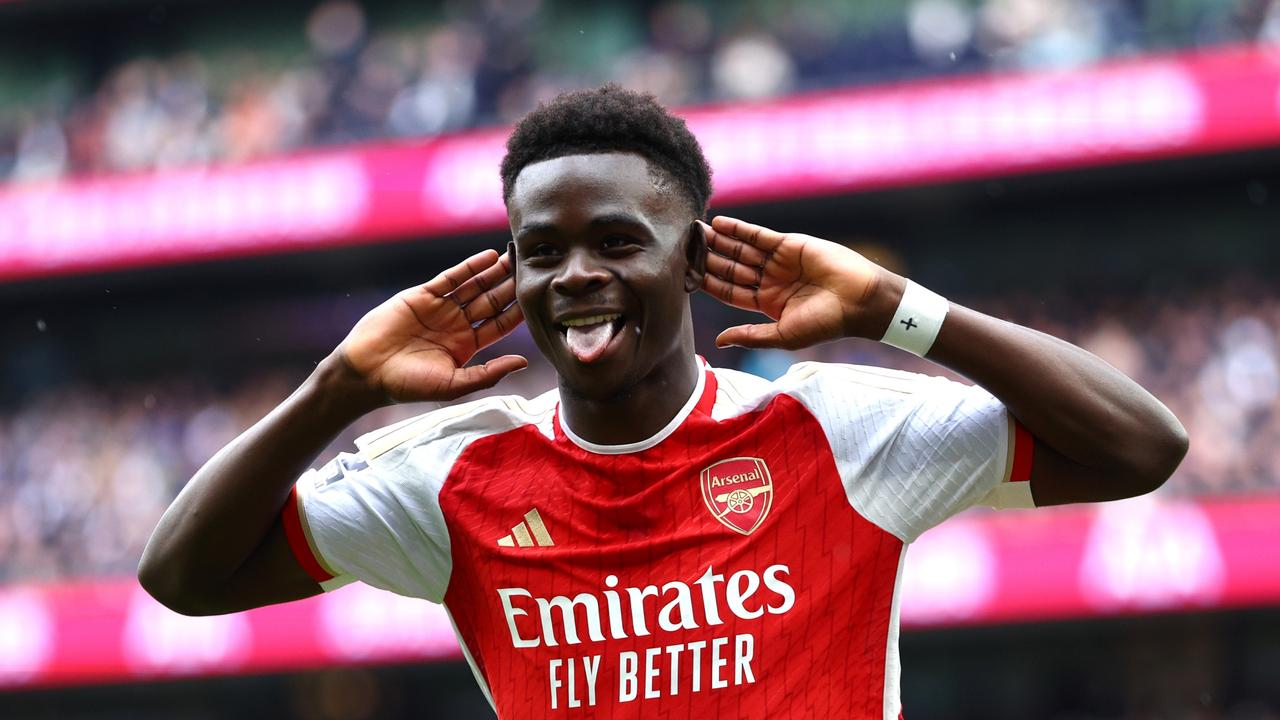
86,470
339,73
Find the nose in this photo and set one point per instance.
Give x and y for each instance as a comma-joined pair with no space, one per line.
580,274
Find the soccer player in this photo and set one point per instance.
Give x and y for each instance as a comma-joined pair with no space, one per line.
655,537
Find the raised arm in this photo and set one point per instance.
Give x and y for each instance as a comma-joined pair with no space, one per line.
1099,435
220,547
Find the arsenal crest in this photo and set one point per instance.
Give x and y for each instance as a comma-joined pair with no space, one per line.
738,492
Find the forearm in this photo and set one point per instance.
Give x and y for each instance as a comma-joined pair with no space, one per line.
223,514
1067,397
1103,437
1072,401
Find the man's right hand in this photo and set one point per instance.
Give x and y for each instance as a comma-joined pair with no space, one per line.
414,346
221,546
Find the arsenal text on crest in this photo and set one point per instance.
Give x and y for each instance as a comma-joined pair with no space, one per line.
738,492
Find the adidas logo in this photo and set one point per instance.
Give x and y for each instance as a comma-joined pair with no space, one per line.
529,533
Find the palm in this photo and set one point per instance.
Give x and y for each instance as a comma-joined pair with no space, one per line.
415,345
809,287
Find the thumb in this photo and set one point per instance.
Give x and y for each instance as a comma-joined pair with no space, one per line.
480,377
765,335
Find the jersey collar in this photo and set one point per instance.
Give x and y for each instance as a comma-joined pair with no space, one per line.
700,401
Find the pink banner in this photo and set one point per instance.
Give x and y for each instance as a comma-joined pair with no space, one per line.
1136,556
811,145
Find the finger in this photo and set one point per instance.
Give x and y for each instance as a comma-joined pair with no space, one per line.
734,272
492,302
730,293
499,326
756,235
765,335
733,248
479,377
455,276
488,278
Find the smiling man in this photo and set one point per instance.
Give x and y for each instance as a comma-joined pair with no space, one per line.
655,537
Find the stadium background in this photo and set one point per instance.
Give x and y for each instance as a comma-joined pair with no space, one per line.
172,264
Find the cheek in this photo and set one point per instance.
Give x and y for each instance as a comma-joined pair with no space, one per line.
666,273
666,298
528,286
528,295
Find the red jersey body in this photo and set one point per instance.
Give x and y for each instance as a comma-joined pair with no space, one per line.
742,563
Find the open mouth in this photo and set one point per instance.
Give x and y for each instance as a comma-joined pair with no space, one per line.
589,338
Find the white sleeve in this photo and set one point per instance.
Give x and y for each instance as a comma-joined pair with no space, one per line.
376,521
912,450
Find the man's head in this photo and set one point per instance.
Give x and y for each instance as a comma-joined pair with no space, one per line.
602,187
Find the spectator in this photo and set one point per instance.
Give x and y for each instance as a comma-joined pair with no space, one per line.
480,63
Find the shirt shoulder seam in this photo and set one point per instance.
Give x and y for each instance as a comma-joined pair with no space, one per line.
516,411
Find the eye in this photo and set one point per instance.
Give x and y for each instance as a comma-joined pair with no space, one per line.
613,242
543,250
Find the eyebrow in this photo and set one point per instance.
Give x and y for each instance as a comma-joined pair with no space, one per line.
616,218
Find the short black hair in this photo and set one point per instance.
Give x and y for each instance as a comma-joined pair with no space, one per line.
607,119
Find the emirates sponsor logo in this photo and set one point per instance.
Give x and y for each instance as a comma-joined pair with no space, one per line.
632,611
712,659
738,492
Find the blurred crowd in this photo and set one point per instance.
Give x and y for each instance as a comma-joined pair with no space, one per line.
85,472
490,62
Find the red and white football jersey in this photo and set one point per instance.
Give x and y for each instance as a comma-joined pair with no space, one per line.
744,562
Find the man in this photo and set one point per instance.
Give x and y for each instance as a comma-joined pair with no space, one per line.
655,536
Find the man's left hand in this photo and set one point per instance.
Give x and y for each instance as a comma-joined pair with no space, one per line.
813,290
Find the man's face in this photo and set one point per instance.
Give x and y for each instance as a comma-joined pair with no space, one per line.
604,268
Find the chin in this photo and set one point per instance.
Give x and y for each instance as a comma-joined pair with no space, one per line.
595,383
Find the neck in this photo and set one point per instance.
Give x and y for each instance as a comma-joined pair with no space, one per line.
638,413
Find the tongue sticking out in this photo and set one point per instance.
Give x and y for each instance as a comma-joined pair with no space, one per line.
589,341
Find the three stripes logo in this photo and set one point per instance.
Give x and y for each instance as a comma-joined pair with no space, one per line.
531,532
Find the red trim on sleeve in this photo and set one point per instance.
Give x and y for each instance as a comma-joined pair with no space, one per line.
1024,445
297,537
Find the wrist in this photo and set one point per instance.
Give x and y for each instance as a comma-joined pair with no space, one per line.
875,310
339,392
917,320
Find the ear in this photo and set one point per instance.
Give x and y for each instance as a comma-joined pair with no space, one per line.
695,253
511,253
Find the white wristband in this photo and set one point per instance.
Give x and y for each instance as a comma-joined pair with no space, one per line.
919,318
